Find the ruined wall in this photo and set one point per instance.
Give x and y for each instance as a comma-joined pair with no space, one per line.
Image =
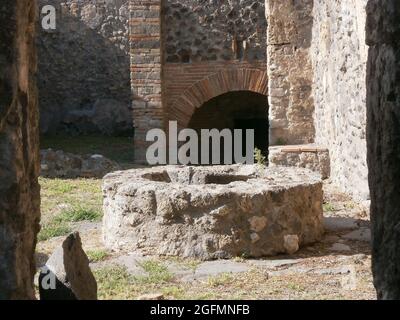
214,30
184,53
205,40
290,71
383,132
339,55
84,81
19,149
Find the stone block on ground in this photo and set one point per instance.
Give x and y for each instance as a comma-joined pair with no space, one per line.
302,156
362,234
67,275
59,164
212,212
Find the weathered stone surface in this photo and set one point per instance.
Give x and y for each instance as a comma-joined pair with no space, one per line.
290,71
339,224
362,234
59,164
108,116
339,56
214,268
291,243
85,60
271,264
207,30
301,156
19,150
70,267
383,132
340,247
212,212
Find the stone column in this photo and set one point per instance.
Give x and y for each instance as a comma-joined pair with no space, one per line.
383,137
145,37
19,150
290,71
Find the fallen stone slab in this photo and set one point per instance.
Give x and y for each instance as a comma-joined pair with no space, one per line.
363,234
271,264
330,239
340,223
67,275
215,268
60,164
340,247
334,271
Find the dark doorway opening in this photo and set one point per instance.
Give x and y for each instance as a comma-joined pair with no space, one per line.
235,110
260,127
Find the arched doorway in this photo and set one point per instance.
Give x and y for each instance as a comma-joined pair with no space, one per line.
236,110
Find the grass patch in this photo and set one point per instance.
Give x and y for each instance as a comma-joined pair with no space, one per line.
328,207
78,214
116,283
61,199
220,280
296,287
350,205
184,262
157,272
60,204
97,255
174,292
53,230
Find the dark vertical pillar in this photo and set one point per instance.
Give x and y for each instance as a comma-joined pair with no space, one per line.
19,149
383,127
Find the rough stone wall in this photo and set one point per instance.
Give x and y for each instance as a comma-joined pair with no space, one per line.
339,56
84,62
19,149
290,71
202,30
383,132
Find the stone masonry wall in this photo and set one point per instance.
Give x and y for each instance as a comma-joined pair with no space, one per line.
339,56
84,67
290,71
19,150
202,30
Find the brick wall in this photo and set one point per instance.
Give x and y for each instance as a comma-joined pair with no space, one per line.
145,37
189,86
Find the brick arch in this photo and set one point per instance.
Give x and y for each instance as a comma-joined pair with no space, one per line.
216,84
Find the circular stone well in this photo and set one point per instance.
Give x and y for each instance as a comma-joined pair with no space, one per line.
212,212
